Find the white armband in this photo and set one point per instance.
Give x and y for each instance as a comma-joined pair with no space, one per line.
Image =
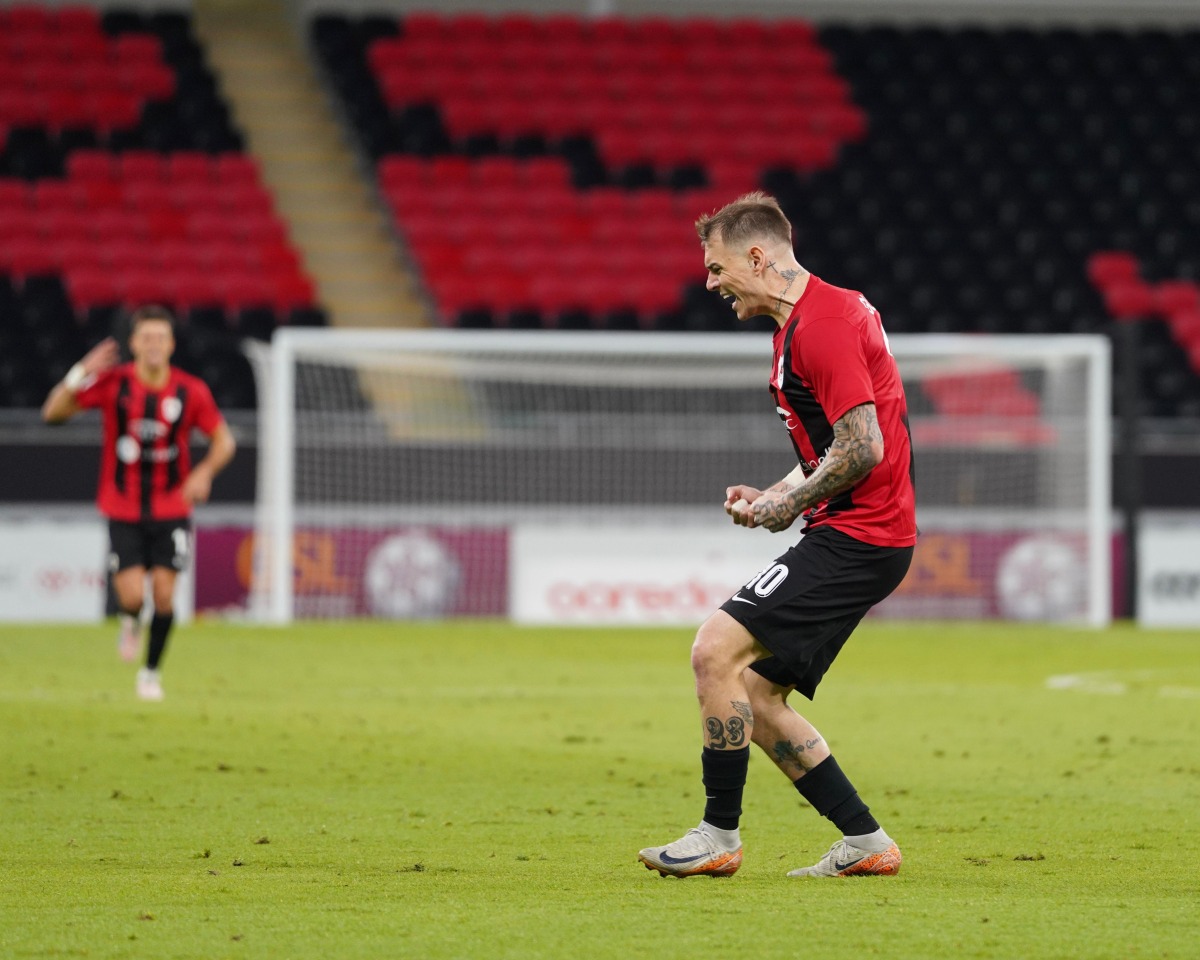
796,477
75,377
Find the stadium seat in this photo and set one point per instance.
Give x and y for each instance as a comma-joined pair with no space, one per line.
122,180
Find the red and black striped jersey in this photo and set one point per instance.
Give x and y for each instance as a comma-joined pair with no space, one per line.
144,458
832,355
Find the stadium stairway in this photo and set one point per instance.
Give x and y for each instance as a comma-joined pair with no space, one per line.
335,221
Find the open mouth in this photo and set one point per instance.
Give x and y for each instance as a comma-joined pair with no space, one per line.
730,299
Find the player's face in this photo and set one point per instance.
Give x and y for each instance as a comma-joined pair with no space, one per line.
152,343
731,274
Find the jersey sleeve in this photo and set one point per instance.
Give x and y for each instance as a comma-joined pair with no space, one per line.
207,416
835,365
96,391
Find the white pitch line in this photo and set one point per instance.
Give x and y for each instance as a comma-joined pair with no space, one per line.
1107,684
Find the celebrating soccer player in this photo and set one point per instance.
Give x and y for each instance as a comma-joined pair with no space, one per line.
838,392
147,482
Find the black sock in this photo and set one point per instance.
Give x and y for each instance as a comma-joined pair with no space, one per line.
833,796
724,775
160,626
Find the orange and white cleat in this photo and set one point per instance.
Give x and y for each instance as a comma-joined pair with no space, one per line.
696,854
846,860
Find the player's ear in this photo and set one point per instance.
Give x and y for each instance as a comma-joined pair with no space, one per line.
756,258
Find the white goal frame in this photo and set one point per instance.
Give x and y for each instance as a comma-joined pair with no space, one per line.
277,422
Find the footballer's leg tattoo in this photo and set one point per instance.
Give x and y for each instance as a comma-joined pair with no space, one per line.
716,733
735,727
731,733
789,754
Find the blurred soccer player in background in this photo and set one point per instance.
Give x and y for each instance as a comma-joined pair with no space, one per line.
148,484
838,391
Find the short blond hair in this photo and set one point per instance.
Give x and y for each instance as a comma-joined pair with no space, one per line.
752,216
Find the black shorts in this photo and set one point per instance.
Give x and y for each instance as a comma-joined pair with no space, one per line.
151,543
805,605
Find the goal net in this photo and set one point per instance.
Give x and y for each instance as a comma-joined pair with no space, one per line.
554,477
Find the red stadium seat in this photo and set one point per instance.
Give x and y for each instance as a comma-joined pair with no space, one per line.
245,199
33,257
192,288
119,224
177,255
137,48
27,19
97,194
88,287
22,108
190,165
1130,300
236,168
61,223
1109,267
78,253
403,170
67,108
289,291
51,195
143,286
148,194
14,194
221,255
1179,296
1185,326
83,49
141,165
111,110
77,20
127,254
206,226
260,229
90,165
545,172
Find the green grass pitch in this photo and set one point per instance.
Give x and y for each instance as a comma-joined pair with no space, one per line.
474,789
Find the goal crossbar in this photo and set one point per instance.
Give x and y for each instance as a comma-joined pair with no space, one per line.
553,357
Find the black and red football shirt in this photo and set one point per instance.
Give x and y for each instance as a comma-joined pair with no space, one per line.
830,356
144,457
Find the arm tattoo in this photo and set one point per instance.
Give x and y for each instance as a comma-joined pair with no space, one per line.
856,437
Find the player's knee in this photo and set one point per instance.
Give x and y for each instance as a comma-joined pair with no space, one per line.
711,653
130,599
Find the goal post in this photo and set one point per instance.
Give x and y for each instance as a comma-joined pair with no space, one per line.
577,477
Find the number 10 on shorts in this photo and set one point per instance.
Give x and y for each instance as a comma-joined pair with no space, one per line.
765,582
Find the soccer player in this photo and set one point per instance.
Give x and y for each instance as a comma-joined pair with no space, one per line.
838,391
148,485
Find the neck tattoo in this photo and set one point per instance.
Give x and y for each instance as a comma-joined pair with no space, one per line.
790,276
